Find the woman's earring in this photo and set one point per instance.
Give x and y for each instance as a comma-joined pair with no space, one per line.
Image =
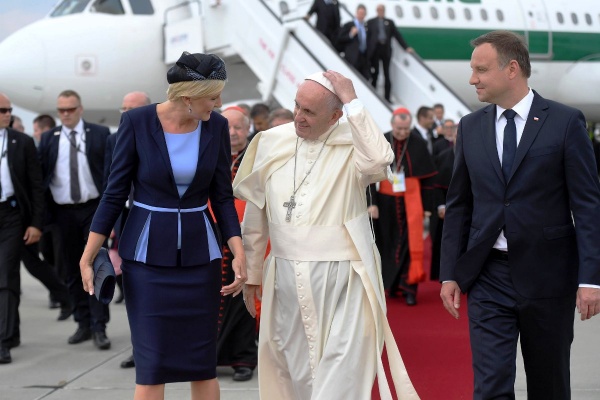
189,108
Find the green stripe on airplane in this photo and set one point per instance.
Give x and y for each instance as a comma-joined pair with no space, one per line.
453,44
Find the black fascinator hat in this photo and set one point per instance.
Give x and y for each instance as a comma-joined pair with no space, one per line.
197,67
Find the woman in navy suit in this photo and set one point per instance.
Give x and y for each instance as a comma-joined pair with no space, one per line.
177,157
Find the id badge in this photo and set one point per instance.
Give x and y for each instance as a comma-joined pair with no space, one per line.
399,184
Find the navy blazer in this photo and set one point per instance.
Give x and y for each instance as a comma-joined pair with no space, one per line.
26,177
95,144
141,157
549,208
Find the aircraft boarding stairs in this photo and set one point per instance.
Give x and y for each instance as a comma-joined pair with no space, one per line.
282,50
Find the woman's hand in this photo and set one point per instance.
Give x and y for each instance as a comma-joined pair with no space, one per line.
251,292
87,273
86,267
238,264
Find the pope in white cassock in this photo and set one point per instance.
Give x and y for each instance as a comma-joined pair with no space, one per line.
323,321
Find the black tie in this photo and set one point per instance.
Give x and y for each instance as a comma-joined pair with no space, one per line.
510,143
73,169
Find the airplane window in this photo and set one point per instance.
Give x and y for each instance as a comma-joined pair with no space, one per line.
417,12
399,12
108,7
468,14
451,13
69,7
588,18
143,7
484,14
434,13
574,18
500,15
560,18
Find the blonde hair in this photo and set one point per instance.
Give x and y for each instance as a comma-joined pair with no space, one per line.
206,88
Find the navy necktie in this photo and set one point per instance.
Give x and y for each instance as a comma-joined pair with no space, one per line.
510,143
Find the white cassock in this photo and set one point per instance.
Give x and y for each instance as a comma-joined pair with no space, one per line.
323,323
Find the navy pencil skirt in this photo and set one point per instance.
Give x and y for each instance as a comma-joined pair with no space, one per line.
173,315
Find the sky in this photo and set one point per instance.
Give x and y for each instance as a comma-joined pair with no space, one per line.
14,15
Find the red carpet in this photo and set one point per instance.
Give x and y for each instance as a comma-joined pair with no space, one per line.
434,346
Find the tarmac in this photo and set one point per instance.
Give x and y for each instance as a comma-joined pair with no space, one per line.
46,367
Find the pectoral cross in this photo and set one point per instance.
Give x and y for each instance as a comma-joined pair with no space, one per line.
290,206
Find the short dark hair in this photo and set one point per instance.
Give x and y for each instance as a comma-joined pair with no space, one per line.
509,46
259,109
423,111
45,122
70,93
438,105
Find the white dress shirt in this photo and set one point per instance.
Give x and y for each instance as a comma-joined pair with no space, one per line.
60,185
5,179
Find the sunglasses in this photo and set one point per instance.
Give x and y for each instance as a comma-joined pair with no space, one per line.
67,110
5,110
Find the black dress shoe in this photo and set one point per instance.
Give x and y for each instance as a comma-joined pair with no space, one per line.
65,312
411,300
242,374
14,342
80,335
101,341
129,362
5,357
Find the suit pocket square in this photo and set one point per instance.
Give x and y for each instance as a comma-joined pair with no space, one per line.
104,277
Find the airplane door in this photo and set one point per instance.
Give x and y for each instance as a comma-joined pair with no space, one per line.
537,29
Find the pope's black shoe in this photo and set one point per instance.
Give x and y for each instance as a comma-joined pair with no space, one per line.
5,357
101,340
242,374
80,335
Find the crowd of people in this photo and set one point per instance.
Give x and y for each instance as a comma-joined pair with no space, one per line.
309,191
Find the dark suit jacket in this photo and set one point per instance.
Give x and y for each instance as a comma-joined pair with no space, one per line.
390,32
26,176
95,145
141,157
328,18
350,45
549,208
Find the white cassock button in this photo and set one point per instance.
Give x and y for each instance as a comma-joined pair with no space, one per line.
306,317
298,274
299,286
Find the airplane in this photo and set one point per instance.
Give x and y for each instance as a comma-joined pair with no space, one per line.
106,48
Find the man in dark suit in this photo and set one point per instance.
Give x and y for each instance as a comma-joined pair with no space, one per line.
381,30
21,214
521,227
353,40
424,127
72,157
328,18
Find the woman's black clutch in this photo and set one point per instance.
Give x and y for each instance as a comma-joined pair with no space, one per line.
104,277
